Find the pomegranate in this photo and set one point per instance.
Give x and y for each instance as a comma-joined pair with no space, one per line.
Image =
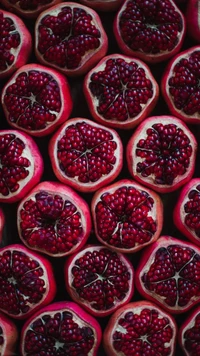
53,219
168,273
102,5
21,165
161,153
151,30
36,99
189,334
26,281
2,222
62,328
8,336
140,328
15,43
193,19
120,91
70,37
180,85
99,279
127,216
86,155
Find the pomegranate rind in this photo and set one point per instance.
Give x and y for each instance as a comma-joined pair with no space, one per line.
22,53
102,5
168,73
146,261
132,160
74,182
157,213
192,16
136,307
85,304
93,102
10,335
65,99
2,223
48,277
91,57
187,324
81,316
147,57
32,153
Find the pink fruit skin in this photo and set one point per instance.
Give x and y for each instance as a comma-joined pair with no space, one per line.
2,222
193,19
101,5
72,307
187,324
10,334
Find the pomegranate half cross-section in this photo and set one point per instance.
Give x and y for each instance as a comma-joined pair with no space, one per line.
127,216
26,281
161,153
99,279
70,37
168,274
8,336
189,334
86,155
120,91
36,99
21,165
53,219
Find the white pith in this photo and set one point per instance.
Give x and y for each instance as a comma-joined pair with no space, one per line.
191,324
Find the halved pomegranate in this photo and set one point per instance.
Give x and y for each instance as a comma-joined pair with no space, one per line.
140,328
21,165
36,99
127,216
15,43
53,219
180,85
193,19
8,336
86,155
70,37
120,91
2,222
99,279
189,334
26,281
102,5
61,328
161,153
168,273
152,30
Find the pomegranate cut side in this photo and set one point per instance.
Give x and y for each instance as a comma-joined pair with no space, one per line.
2,223
26,281
193,19
8,336
168,273
15,43
86,155
161,153
36,100
99,279
180,85
102,5
70,37
53,219
189,334
21,165
127,216
62,328
140,328
150,30
120,91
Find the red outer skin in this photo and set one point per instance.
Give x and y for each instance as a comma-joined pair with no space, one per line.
10,335
193,19
74,295
147,254
65,94
149,58
93,57
36,159
107,335
71,307
26,47
129,124
186,325
130,158
51,291
28,14
116,185
179,223
2,223
81,187
101,5
54,187
164,85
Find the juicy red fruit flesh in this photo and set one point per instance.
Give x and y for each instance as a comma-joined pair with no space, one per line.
192,211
